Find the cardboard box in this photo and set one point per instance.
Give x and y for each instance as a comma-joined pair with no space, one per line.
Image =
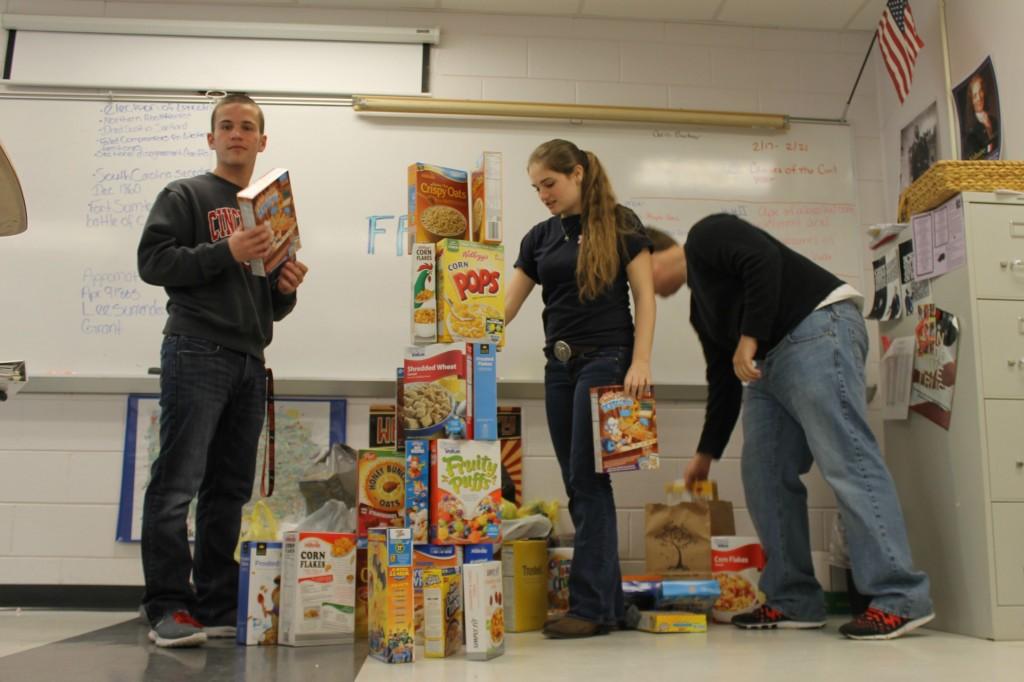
390,608
510,433
474,554
625,430
485,614
259,593
423,318
442,611
672,621
399,409
485,187
437,397
382,427
693,596
269,200
318,583
381,499
737,564
465,492
362,588
417,489
483,386
424,557
559,565
438,203
525,584
470,292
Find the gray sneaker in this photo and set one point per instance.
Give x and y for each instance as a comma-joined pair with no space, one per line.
177,629
220,631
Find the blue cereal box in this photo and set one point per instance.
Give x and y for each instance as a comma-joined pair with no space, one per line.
417,489
484,391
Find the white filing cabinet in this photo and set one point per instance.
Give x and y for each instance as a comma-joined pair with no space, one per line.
962,490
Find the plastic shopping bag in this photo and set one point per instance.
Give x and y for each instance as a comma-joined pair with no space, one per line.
260,526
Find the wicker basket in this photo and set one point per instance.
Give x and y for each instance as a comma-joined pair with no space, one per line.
948,178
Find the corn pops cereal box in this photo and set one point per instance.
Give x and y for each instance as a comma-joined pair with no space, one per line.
259,593
737,564
424,557
465,492
390,608
424,302
318,576
442,612
438,203
624,428
485,612
485,187
470,292
381,500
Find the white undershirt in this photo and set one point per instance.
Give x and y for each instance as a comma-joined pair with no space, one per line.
843,292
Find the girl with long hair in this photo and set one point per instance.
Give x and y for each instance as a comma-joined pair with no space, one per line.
588,258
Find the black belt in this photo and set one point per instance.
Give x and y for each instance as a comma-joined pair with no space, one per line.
565,352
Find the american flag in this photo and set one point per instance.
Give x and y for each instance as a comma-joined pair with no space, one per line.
900,44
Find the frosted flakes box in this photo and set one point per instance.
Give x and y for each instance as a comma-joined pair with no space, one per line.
625,430
390,608
424,557
470,292
259,593
318,576
485,612
381,499
465,492
442,612
737,564
438,203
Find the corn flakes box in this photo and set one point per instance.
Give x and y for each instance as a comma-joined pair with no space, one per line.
417,489
524,569
737,564
442,612
485,612
672,621
470,292
465,492
381,495
318,576
559,565
625,430
438,204
259,593
390,605
436,392
424,557
485,188
424,302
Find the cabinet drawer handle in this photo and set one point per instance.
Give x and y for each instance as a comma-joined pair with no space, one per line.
1020,464
1012,264
1014,363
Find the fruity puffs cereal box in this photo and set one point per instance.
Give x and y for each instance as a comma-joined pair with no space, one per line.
465,492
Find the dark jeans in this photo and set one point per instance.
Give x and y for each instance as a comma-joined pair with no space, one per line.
212,404
595,580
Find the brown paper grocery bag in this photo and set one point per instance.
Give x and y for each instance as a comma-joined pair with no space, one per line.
678,536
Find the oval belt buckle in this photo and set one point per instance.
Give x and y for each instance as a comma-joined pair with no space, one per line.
563,351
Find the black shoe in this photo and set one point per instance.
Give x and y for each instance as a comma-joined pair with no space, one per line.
570,627
878,624
765,618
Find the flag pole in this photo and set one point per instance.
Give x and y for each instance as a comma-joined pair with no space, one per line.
859,74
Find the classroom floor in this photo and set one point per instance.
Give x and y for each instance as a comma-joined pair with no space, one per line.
112,646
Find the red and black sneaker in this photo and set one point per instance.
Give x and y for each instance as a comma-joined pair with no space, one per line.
878,624
765,617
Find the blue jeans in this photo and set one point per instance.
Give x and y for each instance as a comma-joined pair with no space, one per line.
809,407
212,404
595,579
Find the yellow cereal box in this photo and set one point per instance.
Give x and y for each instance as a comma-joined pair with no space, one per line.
381,495
672,621
390,608
438,203
442,606
426,557
470,292
486,194
318,576
524,569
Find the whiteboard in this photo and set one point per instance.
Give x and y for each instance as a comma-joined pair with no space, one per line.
73,303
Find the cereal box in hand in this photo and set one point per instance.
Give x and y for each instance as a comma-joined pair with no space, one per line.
269,200
625,430
381,500
465,492
737,564
438,203
470,292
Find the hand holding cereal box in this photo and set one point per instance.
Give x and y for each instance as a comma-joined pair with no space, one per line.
465,492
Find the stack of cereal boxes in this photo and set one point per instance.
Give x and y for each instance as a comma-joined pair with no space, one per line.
430,504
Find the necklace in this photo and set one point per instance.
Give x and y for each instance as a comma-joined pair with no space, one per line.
579,239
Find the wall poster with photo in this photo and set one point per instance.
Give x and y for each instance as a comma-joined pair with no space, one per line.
976,100
919,145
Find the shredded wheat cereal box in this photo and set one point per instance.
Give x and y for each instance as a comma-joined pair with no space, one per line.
318,576
436,392
390,608
470,292
737,564
438,203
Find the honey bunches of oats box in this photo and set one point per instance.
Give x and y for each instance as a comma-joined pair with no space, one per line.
485,612
381,495
390,607
318,588
465,492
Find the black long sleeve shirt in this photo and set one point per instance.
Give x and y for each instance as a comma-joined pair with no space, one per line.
743,282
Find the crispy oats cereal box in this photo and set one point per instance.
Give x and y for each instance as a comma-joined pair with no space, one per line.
424,302
390,608
438,203
318,576
424,557
470,292
381,500
737,564
465,492
485,187
485,613
442,612
625,430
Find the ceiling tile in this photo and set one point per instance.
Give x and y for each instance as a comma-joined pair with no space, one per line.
815,14
367,4
562,8
671,10
867,18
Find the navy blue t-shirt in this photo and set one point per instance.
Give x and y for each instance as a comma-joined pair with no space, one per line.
548,255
